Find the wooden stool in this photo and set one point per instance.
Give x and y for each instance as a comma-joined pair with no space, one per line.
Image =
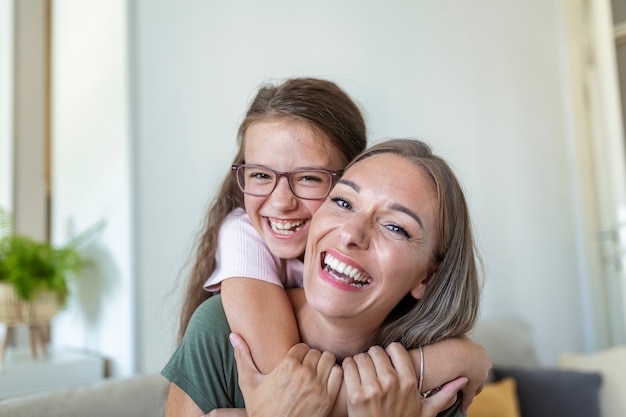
39,337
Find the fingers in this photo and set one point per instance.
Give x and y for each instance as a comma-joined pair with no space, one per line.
469,392
401,360
444,398
245,365
374,387
466,402
350,372
335,378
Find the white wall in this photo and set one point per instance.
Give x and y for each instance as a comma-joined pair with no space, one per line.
92,176
481,81
6,103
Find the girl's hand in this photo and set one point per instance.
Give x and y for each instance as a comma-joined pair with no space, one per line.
477,372
305,383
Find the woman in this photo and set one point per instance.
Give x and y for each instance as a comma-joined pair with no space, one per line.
390,258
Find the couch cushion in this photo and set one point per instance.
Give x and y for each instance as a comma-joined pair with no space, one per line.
497,399
140,396
611,363
555,392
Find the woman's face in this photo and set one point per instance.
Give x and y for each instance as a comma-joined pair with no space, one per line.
371,242
281,218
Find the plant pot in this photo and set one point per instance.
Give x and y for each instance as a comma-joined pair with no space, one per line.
14,310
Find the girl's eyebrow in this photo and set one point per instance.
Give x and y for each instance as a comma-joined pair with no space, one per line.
394,206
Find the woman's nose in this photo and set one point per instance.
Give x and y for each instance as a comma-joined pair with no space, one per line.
354,233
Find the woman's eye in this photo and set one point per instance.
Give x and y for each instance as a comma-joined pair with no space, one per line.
397,229
342,202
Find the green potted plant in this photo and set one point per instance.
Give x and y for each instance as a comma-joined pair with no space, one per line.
34,274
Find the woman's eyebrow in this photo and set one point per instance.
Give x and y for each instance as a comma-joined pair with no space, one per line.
394,206
406,210
350,184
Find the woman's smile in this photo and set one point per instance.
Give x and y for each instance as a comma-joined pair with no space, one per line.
343,274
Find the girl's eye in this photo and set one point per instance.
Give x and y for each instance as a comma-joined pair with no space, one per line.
399,230
260,176
309,178
341,202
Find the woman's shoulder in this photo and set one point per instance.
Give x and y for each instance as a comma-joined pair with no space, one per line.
211,309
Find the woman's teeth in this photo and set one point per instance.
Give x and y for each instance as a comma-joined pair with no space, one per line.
287,227
345,272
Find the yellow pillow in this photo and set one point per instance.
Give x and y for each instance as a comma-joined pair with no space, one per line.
497,399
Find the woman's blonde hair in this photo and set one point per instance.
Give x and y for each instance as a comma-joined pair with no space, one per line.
450,304
323,106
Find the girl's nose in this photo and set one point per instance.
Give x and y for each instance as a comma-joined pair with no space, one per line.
282,197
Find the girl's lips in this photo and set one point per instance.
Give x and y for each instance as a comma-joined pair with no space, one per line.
285,227
342,273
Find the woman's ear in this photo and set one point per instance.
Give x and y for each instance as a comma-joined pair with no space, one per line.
418,291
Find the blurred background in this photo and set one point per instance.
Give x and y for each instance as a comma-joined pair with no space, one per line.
125,112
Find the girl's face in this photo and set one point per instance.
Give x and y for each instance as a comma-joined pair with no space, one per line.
371,242
281,218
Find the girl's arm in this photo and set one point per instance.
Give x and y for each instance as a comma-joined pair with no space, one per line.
261,313
306,381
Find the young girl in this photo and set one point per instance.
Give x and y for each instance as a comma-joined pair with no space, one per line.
305,130
302,123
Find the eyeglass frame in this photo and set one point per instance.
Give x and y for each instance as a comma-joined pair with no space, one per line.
334,177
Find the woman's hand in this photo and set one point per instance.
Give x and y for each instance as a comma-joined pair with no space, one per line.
384,383
380,383
304,383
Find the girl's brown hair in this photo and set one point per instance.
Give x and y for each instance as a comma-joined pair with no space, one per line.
319,103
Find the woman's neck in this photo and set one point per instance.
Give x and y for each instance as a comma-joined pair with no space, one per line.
341,337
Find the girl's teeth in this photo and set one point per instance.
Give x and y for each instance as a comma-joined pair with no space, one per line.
285,228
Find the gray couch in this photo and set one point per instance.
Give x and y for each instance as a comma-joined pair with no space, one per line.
508,343
140,396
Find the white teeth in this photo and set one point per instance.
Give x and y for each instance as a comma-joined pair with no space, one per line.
345,269
286,228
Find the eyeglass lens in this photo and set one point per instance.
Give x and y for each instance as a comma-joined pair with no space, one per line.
308,184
